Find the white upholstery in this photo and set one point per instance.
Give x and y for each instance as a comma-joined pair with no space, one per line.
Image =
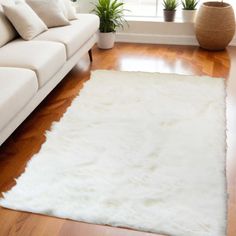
45,58
18,86
45,66
7,31
42,92
75,35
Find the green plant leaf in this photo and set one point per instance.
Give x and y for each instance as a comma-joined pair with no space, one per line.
111,14
189,4
170,5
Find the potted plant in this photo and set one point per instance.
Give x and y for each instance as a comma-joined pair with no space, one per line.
189,10
215,25
111,14
169,9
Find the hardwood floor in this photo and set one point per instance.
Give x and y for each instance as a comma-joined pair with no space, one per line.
28,138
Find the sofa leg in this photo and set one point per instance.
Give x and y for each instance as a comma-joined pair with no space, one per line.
90,55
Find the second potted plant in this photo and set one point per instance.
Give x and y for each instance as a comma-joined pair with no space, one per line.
189,10
169,9
111,14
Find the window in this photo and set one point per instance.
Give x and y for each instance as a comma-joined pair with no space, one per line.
154,8
142,7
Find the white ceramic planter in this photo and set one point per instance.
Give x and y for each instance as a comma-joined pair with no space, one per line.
189,15
106,40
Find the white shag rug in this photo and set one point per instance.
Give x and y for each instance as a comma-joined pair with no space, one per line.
139,150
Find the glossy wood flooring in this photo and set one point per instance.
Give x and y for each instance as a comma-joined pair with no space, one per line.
28,138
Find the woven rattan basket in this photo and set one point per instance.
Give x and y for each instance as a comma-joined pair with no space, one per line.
215,25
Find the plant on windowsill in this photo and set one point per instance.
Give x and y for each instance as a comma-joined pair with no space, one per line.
169,9
215,25
189,10
111,14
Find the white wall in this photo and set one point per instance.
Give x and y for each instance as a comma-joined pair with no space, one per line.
148,31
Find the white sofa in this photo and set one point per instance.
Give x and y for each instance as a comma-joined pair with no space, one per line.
29,70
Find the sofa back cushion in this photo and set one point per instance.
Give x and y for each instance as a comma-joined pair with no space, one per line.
70,11
8,32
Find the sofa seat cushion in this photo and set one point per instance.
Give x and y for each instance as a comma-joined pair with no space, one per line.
17,87
74,35
45,58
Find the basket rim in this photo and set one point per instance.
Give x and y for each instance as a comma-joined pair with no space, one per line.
219,5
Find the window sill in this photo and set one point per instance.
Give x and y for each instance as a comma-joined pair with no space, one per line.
154,19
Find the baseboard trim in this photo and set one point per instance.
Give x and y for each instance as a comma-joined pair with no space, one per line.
160,39
156,39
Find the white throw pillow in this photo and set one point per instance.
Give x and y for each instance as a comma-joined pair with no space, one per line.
70,10
7,30
50,11
25,20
